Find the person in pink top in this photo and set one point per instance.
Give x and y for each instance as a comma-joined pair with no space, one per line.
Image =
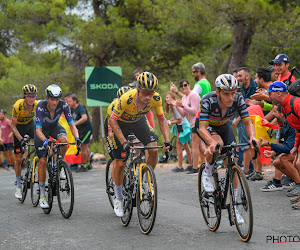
188,107
6,139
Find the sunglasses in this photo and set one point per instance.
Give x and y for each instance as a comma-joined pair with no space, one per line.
31,96
184,85
194,71
147,93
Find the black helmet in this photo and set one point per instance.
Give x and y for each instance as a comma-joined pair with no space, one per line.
53,91
147,81
227,82
29,89
122,91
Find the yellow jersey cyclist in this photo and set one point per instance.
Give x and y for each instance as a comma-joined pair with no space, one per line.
217,107
128,116
22,124
48,113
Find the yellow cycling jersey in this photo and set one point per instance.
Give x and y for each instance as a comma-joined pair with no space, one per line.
111,106
126,109
20,114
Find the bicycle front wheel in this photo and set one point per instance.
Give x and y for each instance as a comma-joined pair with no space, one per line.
24,178
48,189
146,199
34,183
209,204
240,203
65,189
109,183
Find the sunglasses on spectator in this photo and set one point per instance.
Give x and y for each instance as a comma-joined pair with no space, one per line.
31,96
184,85
147,93
194,71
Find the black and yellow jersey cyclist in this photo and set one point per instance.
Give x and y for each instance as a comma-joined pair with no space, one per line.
22,124
128,116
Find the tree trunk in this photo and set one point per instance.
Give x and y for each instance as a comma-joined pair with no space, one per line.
242,38
96,123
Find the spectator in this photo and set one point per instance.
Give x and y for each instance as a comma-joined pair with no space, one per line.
6,139
182,130
67,97
202,85
84,127
274,74
284,159
188,107
281,65
248,88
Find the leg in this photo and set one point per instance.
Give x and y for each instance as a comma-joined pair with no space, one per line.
285,165
153,155
63,139
179,151
188,152
195,150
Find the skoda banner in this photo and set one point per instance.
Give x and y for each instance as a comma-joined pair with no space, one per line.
102,84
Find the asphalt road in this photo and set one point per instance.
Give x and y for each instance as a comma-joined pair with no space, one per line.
179,223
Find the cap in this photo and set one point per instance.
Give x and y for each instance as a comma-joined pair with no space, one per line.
2,111
280,58
277,87
271,67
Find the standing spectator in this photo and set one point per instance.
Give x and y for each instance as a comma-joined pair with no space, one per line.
248,88
68,96
6,139
281,65
84,127
274,74
188,107
202,85
182,130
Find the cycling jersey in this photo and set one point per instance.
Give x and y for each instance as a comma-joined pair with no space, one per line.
211,111
20,114
43,118
126,109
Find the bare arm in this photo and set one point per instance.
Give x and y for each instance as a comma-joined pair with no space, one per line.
40,134
163,125
74,130
82,120
14,129
117,131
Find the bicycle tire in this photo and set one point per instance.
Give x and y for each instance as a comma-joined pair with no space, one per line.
48,189
109,183
209,204
146,201
65,190
242,203
34,183
24,178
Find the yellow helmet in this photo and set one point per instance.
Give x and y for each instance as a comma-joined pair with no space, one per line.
29,89
147,81
122,91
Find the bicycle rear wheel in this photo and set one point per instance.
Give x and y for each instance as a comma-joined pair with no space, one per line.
146,199
24,178
48,189
109,183
241,204
34,183
65,189
209,204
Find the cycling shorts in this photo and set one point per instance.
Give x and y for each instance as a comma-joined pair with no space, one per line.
53,131
141,129
24,129
108,140
6,146
85,135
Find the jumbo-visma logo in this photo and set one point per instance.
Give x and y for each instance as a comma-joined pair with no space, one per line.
104,86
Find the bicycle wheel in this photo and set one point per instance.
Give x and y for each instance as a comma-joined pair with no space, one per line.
109,183
65,189
48,189
24,178
241,205
146,199
34,183
209,204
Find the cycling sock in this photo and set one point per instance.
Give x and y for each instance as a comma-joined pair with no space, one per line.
84,165
208,169
42,189
118,191
18,181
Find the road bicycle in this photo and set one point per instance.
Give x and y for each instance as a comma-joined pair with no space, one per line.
59,180
236,184
29,177
139,188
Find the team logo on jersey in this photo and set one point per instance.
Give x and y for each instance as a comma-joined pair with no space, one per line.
130,99
156,98
20,107
119,105
217,110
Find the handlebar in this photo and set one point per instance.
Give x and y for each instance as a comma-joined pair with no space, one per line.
61,144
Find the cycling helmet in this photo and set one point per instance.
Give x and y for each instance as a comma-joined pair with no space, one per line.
227,82
147,81
53,91
29,89
122,91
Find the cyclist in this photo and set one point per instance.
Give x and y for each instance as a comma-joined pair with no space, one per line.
47,115
128,116
22,124
217,108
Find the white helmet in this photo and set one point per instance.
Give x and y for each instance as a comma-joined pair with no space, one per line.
53,91
227,82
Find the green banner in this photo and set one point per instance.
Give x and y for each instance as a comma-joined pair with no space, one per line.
102,84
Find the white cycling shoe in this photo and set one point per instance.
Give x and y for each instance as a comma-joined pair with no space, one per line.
118,207
239,218
43,203
62,174
18,193
208,183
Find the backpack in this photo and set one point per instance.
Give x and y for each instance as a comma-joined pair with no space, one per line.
294,89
